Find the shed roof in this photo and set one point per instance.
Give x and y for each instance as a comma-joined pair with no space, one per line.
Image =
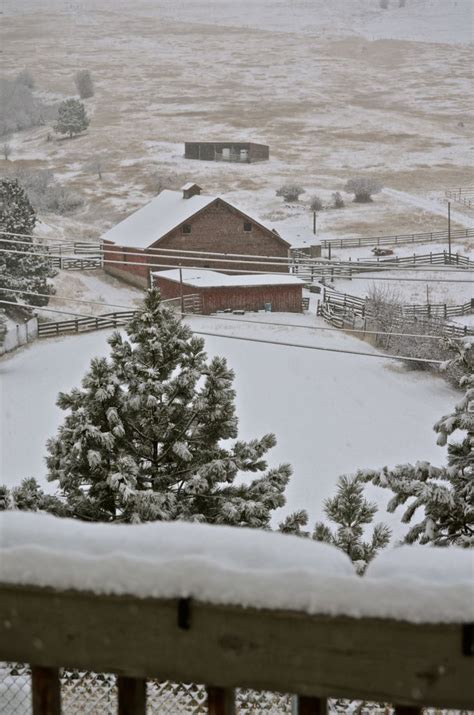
201,278
161,215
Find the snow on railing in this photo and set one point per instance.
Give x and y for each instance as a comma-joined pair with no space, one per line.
234,607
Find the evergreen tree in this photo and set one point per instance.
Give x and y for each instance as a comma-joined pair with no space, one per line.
72,117
439,500
351,511
145,437
30,497
21,266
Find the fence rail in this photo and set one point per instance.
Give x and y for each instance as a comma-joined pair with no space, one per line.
397,239
339,309
191,304
461,196
226,647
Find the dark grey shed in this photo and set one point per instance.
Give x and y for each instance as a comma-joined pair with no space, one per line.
241,152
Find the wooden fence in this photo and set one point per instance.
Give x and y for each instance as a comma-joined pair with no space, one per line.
397,239
191,304
461,196
341,310
225,647
71,263
312,270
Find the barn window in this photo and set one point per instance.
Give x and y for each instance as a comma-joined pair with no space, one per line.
247,226
186,228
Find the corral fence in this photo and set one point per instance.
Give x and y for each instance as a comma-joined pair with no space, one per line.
461,196
312,270
398,239
342,311
191,304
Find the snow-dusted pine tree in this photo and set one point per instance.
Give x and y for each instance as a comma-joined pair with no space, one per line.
351,511
146,438
21,266
72,117
439,501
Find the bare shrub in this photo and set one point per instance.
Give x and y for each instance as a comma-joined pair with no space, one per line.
6,150
363,187
26,78
46,194
337,201
96,166
384,4
316,204
385,313
84,84
18,108
290,192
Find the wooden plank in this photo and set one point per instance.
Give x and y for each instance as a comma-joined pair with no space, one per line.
311,706
45,691
227,646
220,701
407,710
131,696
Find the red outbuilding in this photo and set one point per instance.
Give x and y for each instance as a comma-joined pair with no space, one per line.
220,291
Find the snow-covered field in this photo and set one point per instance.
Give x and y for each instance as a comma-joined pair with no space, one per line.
335,88
331,412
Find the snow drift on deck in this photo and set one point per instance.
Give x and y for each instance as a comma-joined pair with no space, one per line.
225,565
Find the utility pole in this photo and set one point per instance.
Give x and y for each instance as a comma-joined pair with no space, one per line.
181,291
449,231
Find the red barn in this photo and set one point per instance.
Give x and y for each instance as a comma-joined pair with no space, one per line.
220,291
187,228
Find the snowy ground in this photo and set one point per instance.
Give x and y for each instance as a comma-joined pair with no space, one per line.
332,413
412,287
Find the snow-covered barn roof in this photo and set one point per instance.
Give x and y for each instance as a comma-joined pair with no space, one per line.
161,215
213,279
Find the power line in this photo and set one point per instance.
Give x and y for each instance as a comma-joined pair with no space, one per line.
381,356
233,320
306,262
313,273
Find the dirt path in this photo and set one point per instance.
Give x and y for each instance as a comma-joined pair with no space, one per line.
432,206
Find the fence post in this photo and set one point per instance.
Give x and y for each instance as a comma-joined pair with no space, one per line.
131,696
46,691
311,706
220,701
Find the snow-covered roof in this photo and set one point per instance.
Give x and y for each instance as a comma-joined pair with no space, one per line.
160,216
235,566
202,278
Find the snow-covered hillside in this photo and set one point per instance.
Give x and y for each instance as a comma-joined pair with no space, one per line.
331,412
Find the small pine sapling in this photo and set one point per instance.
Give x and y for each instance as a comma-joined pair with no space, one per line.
352,513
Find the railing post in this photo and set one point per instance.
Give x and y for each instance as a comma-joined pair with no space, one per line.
220,701
311,706
46,691
131,696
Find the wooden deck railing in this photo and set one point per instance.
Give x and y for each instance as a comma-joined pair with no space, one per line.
225,647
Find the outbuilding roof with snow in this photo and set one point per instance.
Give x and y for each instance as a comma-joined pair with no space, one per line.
164,213
213,279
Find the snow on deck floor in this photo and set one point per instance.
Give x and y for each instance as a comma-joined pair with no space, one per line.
331,413
224,565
